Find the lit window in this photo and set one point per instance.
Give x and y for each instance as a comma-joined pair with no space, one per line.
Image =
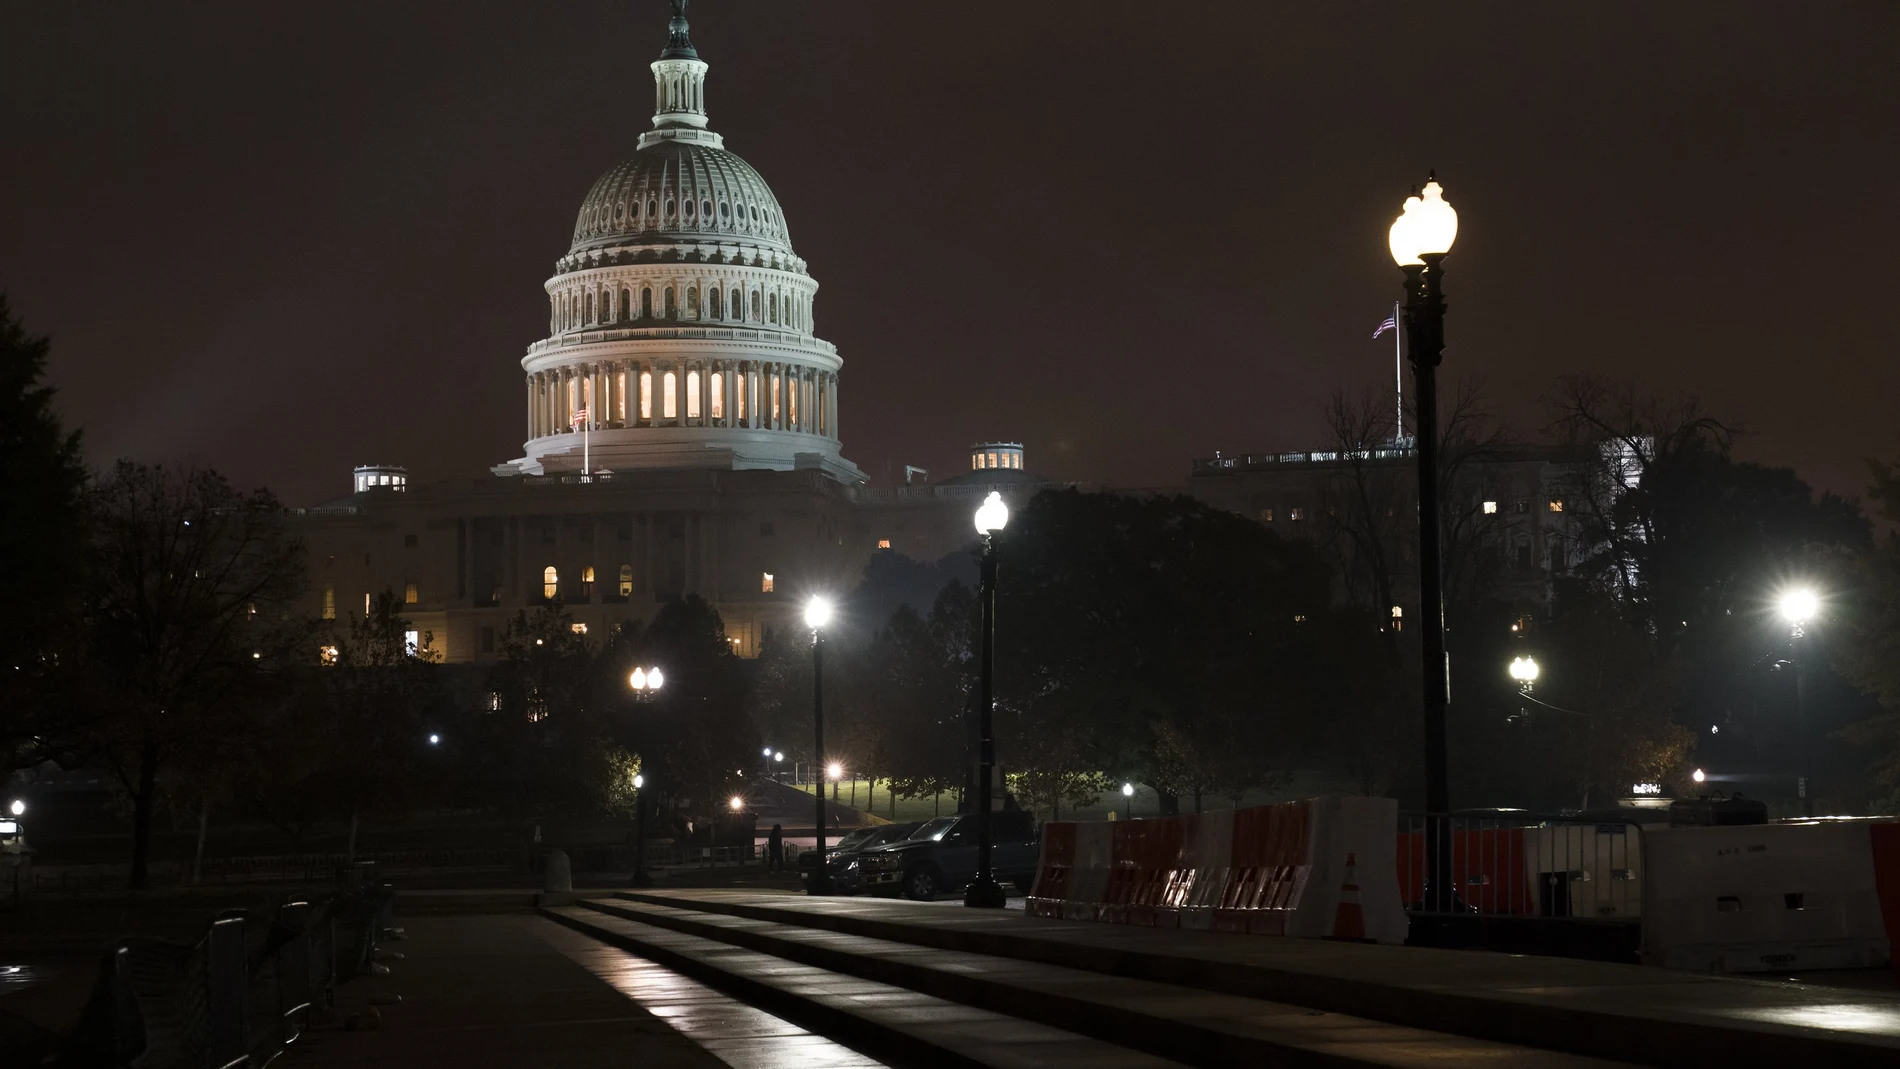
718,385
494,701
744,386
883,543
669,396
579,629
775,402
976,461
765,582
326,654
1296,515
550,582
1556,504
411,640
329,601
646,395
366,603
1266,515
1490,508
1398,618
626,580
692,395
409,594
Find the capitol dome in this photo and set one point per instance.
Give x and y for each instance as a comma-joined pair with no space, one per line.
674,191
679,319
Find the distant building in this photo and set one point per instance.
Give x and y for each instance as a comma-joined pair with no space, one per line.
682,429
1509,516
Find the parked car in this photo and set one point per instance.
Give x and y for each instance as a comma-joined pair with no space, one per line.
808,859
940,856
842,861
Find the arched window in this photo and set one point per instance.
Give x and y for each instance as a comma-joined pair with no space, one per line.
692,395
712,302
692,302
771,308
669,396
626,305
646,303
718,385
646,395
329,601
587,582
626,580
738,305
590,308
550,582
755,306
672,310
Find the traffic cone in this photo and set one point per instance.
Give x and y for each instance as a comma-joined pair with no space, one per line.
1349,918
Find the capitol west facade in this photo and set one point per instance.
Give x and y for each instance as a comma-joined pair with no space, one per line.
682,429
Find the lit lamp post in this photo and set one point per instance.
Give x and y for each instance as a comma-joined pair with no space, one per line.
1524,670
984,892
1419,240
817,615
834,772
1128,795
1798,606
640,877
645,682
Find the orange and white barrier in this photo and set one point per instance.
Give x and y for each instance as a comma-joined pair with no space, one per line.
1772,897
1290,869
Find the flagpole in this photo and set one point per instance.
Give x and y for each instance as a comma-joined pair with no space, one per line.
1398,373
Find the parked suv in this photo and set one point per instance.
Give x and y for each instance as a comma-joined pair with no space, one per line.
941,856
841,862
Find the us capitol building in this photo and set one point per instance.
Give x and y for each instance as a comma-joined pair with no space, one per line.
682,422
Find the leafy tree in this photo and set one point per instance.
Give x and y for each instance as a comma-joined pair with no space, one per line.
42,540
549,730
694,739
1869,654
191,632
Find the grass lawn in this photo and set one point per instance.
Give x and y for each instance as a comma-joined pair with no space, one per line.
879,792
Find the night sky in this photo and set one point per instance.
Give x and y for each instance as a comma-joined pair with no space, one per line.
283,239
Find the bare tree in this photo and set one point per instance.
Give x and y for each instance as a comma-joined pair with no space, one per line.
192,628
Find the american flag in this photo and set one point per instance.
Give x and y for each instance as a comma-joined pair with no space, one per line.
1391,323
580,415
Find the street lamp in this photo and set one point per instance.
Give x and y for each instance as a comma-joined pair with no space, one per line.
646,682
834,772
640,877
1419,239
1698,775
434,739
1128,792
17,807
1797,606
984,892
736,804
1524,670
817,615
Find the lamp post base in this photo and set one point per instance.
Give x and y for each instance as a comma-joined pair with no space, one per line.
985,893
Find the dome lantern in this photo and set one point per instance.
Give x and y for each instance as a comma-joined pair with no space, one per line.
679,82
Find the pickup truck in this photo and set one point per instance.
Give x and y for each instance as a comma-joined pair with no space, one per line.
940,856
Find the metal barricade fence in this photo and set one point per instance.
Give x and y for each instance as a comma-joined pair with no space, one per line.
1520,864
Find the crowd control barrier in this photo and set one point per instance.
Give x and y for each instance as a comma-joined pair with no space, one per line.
1772,897
1320,868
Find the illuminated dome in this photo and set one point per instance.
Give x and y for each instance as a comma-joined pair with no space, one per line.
673,191
680,320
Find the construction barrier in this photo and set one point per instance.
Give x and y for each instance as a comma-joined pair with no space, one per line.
1771,897
1552,868
1321,868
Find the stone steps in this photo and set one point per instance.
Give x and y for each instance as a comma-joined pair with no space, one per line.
1170,1023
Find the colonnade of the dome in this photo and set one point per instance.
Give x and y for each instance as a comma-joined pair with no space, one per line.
683,392
766,299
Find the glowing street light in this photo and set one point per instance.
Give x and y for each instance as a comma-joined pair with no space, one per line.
1698,775
1525,671
17,807
1128,790
639,781
834,771
1419,240
984,892
434,739
735,803
817,615
646,680
1797,606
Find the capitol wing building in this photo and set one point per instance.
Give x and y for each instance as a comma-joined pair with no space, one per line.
682,429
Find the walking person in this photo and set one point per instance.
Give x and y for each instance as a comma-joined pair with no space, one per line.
775,850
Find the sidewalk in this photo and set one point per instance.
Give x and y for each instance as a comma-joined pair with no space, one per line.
497,992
